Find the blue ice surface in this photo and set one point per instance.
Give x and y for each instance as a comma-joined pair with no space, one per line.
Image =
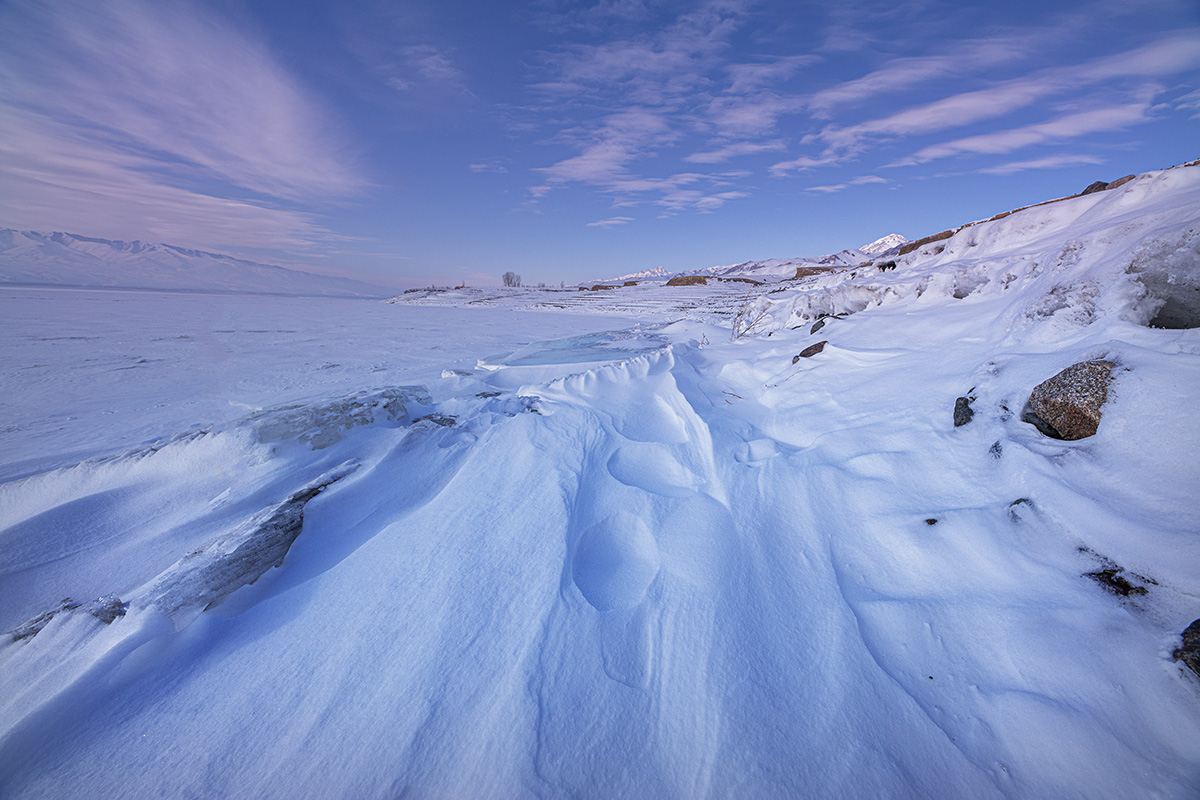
588,348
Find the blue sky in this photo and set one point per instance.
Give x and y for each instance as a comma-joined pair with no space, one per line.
429,142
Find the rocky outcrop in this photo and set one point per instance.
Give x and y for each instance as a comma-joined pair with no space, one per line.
806,272
688,280
937,237
1068,405
1189,654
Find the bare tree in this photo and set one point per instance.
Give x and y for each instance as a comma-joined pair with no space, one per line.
511,278
748,317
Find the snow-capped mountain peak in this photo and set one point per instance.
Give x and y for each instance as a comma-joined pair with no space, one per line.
883,244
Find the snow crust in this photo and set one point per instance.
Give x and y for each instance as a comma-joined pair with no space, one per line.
587,555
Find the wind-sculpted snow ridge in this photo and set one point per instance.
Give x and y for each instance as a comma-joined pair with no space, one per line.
664,561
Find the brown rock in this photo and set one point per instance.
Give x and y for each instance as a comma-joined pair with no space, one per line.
810,351
1098,186
1121,181
1069,403
804,272
688,280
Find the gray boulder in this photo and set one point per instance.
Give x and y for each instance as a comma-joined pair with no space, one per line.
1068,405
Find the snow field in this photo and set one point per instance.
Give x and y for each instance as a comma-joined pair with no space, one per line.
651,562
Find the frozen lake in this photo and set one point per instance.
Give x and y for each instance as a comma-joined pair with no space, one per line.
90,372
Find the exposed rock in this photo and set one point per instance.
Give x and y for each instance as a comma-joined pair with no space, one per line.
630,283
1121,181
1189,654
1068,405
996,450
810,351
804,272
1114,581
601,286
688,280
1098,186
106,609
962,411
817,326
937,237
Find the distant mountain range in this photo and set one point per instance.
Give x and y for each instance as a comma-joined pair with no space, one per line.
776,268
66,259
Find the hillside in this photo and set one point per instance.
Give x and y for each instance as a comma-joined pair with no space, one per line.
65,259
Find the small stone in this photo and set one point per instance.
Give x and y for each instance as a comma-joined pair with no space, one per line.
817,326
931,521
1189,654
1068,404
996,450
962,411
810,351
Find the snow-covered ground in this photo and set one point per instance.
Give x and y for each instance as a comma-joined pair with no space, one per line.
479,544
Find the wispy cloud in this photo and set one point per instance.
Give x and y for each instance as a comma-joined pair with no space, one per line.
653,87
160,107
426,66
1049,162
1167,56
610,222
862,180
1065,127
495,165
734,150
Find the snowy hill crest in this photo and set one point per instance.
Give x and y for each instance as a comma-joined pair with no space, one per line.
67,259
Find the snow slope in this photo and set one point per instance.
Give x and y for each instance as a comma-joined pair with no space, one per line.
658,561
771,270
65,259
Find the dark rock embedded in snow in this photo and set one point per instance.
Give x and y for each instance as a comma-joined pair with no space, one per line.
206,575
1114,581
1069,404
1189,654
688,280
962,411
810,351
1098,186
106,609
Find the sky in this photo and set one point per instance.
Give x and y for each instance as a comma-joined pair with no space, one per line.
417,143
